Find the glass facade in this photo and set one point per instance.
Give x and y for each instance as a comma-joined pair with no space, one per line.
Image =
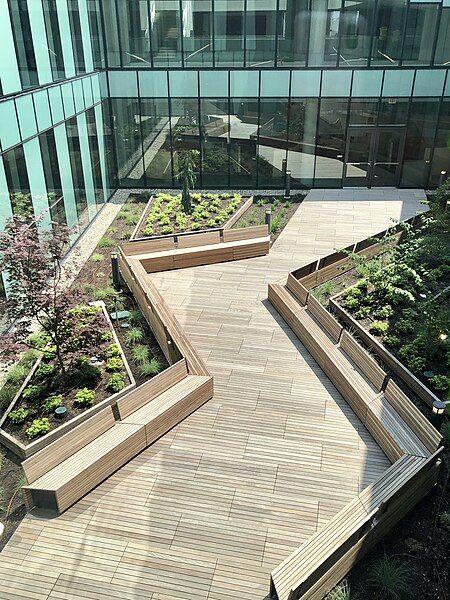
100,94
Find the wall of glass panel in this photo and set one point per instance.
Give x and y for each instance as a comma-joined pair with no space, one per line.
45,41
281,33
249,126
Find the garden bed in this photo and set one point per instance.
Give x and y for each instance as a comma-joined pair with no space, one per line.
164,213
281,212
89,381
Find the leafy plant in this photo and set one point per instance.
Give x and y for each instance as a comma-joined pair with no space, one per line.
362,313
97,257
140,353
107,336
115,383
103,293
445,430
392,341
440,382
389,578
341,592
52,403
384,312
445,519
167,229
84,397
351,302
113,350
134,336
378,327
19,415
86,374
135,317
38,428
324,291
150,367
106,242
404,326
32,392
114,364
44,370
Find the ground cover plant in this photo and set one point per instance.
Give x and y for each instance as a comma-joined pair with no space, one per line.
281,211
169,213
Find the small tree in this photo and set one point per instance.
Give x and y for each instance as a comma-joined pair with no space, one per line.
188,161
38,292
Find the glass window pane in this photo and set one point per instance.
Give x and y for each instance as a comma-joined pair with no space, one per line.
27,120
197,33
293,32
213,84
305,83
367,83
77,39
17,179
153,84
398,83
260,33
127,133
111,32
244,83
52,176
94,156
302,141
355,33
9,128
420,33
275,83
324,32
330,146
243,136
53,39
79,185
272,142
123,84
441,156
336,83
419,142
363,112
24,43
155,128
214,135
95,23
185,130
134,26
387,43
229,32
429,82
183,83
44,118
393,111
165,32
442,56
56,104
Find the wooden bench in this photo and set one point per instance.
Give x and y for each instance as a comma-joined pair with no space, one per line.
64,471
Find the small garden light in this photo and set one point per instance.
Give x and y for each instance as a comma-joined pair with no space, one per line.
115,271
437,413
443,336
287,191
268,218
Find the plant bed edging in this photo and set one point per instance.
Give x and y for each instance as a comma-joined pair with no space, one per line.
24,451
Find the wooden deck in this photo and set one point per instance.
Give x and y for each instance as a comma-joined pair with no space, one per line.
214,505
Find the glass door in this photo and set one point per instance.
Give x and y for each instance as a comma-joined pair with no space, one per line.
359,156
373,156
388,157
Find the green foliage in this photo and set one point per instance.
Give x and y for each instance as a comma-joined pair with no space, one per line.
341,592
135,317
445,430
114,364
113,350
107,336
413,545
384,312
389,578
404,326
196,226
32,392
166,230
324,291
52,403
351,302
362,313
86,374
440,382
106,242
16,374
103,293
378,327
84,397
131,219
29,357
413,357
19,415
44,370
115,383
134,336
38,428
392,341
150,367
444,518
7,393
97,257
140,353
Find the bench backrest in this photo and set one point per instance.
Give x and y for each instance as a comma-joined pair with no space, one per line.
363,360
245,233
424,430
151,389
198,239
325,318
147,246
56,452
297,288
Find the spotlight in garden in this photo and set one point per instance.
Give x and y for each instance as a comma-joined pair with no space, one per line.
443,336
442,177
287,191
437,413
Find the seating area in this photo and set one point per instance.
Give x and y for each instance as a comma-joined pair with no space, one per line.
64,471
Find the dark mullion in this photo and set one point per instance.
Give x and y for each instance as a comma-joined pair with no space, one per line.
213,34
341,14
347,126
181,33
277,23
200,135
244,30
436,34
405,24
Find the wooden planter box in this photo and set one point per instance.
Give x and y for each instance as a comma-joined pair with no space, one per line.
24,451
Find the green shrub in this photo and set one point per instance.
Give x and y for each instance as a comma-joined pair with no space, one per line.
29,358
210,223
84,397
341,592
103,293
404,326
140,353
97,257
16,375
18,416
113,350
131,219
196,226
106,242
135,317
148,230
44,370
107,336
392,341
115,383
150,367
38,427
38,340
444,518
445,430
166,230
378,327
362,313
52,403
413,358
351,303
7,393
389,578
440,382
384,312
49,352
32,392
114,364
413,545
134,335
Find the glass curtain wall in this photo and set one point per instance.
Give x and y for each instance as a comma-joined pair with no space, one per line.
128,144
293,33
215,129
26,58
165,28
156,142
229,32
198,33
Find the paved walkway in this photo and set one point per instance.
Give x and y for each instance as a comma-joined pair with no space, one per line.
213,506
